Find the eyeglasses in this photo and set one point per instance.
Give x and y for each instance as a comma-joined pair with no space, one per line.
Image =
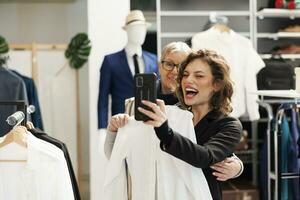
169,66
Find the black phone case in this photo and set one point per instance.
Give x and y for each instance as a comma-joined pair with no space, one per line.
145,89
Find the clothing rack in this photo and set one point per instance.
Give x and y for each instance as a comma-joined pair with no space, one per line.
21,106
276,175
34,47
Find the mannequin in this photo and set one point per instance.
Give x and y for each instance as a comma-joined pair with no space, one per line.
118,69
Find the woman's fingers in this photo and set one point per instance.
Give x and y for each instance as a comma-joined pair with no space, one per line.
161,105
151,105
118,121
150,114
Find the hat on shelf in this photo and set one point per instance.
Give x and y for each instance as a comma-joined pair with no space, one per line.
135,17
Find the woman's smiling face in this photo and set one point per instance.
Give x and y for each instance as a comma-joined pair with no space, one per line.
197,83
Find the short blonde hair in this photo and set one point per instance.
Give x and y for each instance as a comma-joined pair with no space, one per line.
175,47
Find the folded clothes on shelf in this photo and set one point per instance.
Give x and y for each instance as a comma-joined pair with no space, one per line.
293,28
286,49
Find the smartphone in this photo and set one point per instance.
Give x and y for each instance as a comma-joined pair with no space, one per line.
145,89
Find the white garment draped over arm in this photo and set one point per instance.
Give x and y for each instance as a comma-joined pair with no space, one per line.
155,174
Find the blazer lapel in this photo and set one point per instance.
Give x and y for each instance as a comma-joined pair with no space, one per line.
125,69
147,62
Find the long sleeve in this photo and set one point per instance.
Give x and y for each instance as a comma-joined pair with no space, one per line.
104,91
219,146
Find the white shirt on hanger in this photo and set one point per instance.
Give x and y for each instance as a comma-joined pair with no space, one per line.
244,64
155,175
43,176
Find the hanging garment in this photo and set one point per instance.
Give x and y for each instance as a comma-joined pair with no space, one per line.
263,168
244,64
285,147
155,175
294,161
33,99
44,175
12,88
43,136
116,79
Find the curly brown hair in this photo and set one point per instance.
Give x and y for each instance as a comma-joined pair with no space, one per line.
221,100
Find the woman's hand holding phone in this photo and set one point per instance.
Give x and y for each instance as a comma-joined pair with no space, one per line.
157,115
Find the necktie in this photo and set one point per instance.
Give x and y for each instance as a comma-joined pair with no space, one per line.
136,64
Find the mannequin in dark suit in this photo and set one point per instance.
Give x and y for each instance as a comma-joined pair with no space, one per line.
118,69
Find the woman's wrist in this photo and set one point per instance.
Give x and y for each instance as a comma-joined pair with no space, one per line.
164,133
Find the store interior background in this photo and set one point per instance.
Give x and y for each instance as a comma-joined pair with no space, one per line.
57,21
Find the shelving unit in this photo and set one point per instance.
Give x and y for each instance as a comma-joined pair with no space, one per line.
267,23
178,21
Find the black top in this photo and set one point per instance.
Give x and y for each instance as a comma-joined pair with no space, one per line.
169,99
43,136
216,134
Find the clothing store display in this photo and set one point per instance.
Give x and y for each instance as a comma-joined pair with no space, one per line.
244,64
154,174
288,163
32,95
116,79
12,88
43,136
44,175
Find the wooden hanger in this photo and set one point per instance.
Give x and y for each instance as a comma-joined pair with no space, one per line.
29,125
222,28
17,135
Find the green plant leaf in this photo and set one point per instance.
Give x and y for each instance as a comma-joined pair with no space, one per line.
78,50
3,45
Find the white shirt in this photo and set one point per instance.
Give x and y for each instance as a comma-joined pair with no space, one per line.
244,64
129,54
155,175
44,176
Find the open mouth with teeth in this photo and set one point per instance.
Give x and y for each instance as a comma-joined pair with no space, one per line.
190,92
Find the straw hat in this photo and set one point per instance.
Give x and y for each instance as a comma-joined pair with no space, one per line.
135,17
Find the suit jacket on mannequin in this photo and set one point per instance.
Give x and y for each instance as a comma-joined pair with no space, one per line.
116,79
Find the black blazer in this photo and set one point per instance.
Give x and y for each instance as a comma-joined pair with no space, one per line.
217,135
